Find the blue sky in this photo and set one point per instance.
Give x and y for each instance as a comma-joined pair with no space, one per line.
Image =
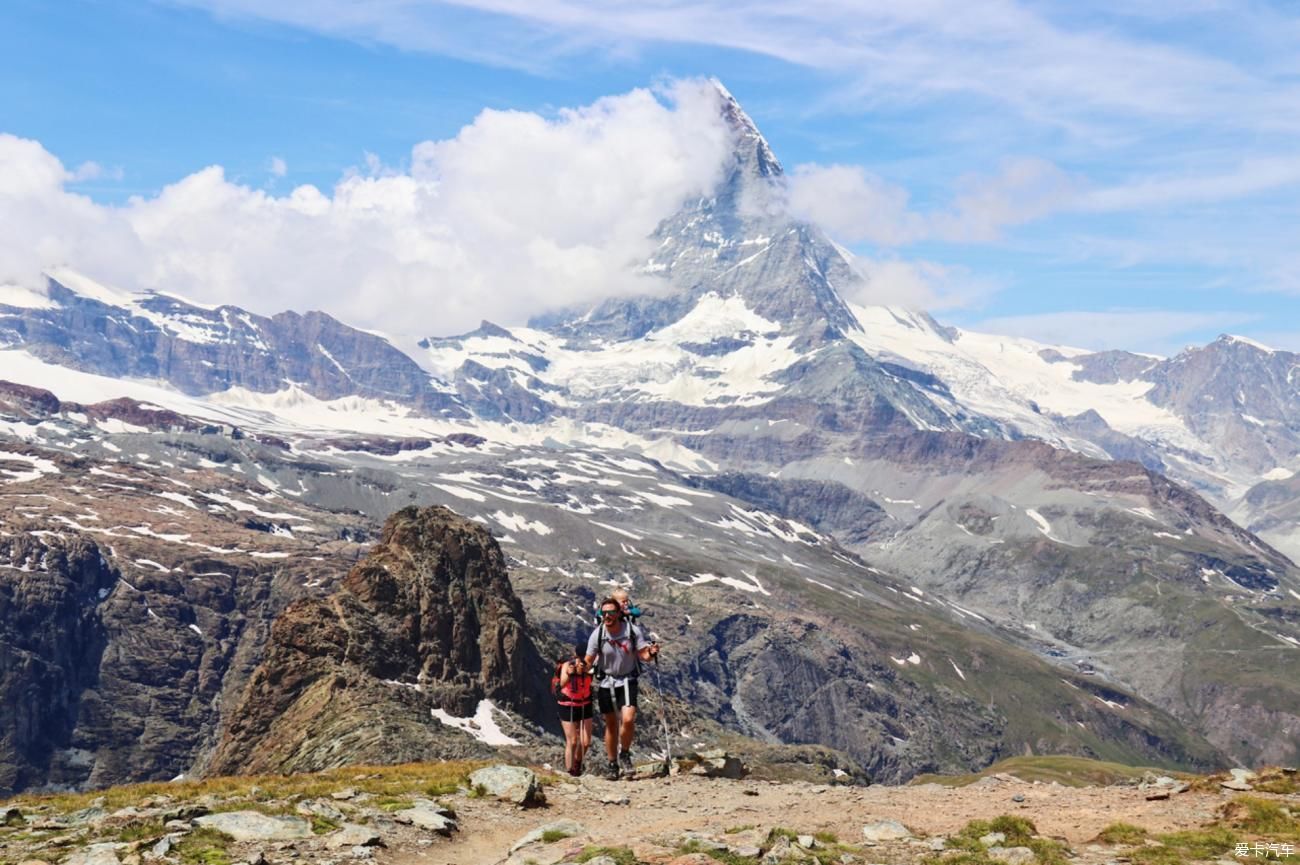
1055,170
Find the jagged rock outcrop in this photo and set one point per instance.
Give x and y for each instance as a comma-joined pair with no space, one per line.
428,621
51,641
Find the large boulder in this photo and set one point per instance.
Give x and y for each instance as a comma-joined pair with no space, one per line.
510,784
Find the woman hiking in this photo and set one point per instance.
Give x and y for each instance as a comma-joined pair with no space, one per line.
616,648
573,697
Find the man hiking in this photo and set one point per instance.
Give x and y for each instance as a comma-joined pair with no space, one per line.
616,648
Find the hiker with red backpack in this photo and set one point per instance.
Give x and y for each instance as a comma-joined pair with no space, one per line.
572,688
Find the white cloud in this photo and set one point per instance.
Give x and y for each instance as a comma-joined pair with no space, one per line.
1162,332
91,170
516,214
917,284
277,166
1250,177
854,205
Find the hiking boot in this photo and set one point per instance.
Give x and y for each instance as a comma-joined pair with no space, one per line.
625,762
612,771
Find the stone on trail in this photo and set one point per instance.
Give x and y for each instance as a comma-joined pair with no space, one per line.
568,828
510,784
354,835
343,795
256,826
95,854
1013,855
885,830
427,816
164,845
993,839
807,842
319,808
11,817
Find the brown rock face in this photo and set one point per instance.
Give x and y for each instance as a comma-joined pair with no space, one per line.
427,621
51,642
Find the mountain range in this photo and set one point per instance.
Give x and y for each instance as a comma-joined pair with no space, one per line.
852,526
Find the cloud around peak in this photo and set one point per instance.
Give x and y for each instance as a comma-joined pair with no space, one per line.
518,213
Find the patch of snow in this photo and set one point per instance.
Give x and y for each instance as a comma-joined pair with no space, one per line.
1043,525
36,466
179,498
957,668
517,523
617,530
482,726
24,298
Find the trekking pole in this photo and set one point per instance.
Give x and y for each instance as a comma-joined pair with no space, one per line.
663,714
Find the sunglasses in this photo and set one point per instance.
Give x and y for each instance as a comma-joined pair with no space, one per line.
610,612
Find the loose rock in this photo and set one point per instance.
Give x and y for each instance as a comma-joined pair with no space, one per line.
509,783
1013,855
318,808
569,828
354,835
255,826
425,817
95,854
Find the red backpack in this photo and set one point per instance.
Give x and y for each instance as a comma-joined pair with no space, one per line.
576,693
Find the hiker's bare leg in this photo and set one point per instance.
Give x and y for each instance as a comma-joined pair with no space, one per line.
584,737
570,743
611,736
628,728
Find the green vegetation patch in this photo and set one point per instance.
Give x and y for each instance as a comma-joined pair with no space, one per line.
1263,819
203,847
1122,833
323,825
550,836
621,855
1177,848
965,848
724,856
407,779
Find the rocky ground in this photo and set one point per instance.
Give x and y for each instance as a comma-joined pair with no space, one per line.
446,814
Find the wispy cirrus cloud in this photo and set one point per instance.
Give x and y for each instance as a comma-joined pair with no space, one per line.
1059,63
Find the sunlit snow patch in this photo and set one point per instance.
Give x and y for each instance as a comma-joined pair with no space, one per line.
36,466
483,726
520,523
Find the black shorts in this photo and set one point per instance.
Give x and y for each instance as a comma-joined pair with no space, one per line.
620,696
576,713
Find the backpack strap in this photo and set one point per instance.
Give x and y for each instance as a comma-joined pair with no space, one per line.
599,672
